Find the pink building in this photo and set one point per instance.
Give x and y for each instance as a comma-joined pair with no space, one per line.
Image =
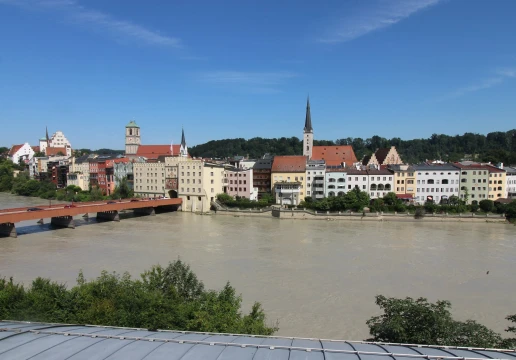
239,182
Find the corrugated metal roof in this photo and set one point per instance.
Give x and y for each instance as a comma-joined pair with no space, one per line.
38,341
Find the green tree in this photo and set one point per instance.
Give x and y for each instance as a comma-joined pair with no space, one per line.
510,343
165,298
123,190
486,205
421,322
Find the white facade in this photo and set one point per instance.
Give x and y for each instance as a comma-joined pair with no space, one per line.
287,193
149,179
357,179
132,138
335,183
510,187
59,140
24,152
315,173
436,182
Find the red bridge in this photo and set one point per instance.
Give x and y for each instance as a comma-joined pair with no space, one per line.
62,214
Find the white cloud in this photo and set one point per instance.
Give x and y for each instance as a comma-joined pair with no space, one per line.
369,18
72,11
501,76
262,82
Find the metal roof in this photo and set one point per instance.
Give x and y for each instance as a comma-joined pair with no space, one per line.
38,341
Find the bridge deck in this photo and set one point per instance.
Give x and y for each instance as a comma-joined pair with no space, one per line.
22,214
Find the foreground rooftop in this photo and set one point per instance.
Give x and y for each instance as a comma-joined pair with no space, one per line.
24,340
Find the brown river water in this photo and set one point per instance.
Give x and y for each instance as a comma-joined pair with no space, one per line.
317,278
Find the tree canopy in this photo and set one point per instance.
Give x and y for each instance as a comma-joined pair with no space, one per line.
494,147
164,298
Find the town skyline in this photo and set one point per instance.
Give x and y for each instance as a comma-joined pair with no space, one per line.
406,69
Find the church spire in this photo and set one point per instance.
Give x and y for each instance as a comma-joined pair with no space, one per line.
183,149
308,118
183,141
48,140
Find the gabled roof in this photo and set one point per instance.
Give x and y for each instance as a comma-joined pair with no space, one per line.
52,151
154,151
35,148
381,154
335,155
14,149
294,163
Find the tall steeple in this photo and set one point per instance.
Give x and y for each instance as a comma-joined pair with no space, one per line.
308,117
308,132
48,140
183,149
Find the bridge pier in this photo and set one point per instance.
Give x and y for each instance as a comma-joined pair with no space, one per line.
8,230
108,215
145,211
63,222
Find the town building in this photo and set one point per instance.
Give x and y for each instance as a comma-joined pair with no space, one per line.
510,187
79,172
171,174
239,183
357,179
199,184
288,192
149,179
123,168
289,169
335,183
382,157
55,145
380,182
57,169
497,183
315,178
404,185
134,147
436,183
262,175
23,152
333,155
474,181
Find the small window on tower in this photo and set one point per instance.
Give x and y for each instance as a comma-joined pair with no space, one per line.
307,147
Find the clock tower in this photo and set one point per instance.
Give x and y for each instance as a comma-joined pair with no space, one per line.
132,138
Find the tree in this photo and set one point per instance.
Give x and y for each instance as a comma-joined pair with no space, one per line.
164,298
486,205
123,191
421,322
39,154
391,199
510,343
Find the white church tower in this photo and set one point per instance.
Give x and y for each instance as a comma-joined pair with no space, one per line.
308,132
132,138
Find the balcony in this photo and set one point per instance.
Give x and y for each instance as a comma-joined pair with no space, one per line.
319,182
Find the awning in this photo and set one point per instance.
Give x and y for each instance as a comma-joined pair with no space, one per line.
404,196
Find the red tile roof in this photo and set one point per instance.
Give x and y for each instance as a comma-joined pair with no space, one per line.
53,151
14,149
405,196
335,155
35,148
121,160
153,151
294,163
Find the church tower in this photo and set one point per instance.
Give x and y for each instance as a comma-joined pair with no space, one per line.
308,132
132,138
183,150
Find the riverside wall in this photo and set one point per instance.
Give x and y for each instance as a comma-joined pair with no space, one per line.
329,216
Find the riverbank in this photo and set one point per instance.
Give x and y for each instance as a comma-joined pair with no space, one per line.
328,216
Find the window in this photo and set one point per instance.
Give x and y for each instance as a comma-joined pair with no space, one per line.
363,187
211,173
212,190
199,192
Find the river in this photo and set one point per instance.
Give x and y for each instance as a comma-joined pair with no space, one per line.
317,278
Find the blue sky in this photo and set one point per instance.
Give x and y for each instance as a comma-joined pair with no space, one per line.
226,69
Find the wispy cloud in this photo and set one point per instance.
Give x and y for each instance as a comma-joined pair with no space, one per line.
121,30
369,18
499,77
263,82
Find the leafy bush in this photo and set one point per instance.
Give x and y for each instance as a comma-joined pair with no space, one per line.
419,213
487,205
165,298
417,321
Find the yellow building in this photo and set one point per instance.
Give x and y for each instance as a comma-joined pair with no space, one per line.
404,181
497,183
287,169
198,184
